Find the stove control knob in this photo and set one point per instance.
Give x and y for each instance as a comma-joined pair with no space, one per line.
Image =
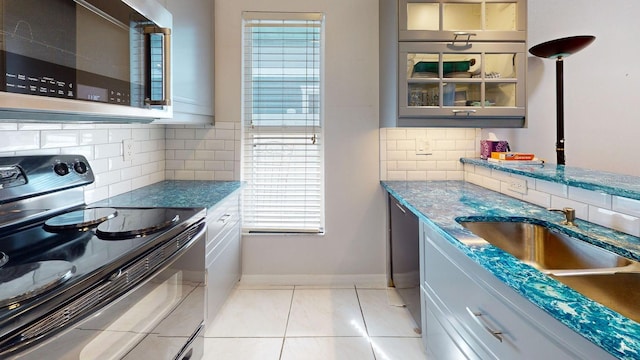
80,167
61,169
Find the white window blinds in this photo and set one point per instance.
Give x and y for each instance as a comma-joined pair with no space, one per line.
282,137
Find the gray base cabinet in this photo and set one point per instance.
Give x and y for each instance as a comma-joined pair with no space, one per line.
470,314
223,253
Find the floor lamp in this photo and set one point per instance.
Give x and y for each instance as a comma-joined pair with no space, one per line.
559,49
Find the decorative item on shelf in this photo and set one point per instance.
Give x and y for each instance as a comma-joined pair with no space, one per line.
559,49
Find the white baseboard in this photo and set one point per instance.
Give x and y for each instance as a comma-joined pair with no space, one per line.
374,281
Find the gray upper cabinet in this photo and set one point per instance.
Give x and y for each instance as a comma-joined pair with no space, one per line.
473,20
193,61
452,63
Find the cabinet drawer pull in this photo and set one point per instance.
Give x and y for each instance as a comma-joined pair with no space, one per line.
462,33
477,317
401,208
468,112
224,218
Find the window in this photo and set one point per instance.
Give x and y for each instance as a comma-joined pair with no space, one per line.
282,121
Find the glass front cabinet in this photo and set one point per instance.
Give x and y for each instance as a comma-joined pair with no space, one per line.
459,63
481,80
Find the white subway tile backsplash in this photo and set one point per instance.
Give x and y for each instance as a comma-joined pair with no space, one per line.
590,197
465,144
416,133
473,178
108,150
552,188
120,188
447,165
20,140
8,126
223,134
491,184
611,219
426,165
36,126
397,147
582,209
455,133
407,145
117,135
224,155
57,139
195,144
214,145
537,197
437,175
185,154
185,175
455,175
213,165
194,165
187,134
416,175
397,175
204,175
626,206
444,145
396,134
397,155
407,165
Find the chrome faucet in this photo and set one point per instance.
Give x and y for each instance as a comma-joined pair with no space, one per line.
569,214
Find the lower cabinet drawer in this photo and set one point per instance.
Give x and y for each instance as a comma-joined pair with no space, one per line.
485,319
443,338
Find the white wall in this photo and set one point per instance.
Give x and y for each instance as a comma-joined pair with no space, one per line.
602,85
355,217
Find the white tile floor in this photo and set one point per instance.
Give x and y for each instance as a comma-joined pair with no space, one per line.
308,323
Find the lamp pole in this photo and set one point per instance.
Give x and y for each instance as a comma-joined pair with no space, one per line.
559,49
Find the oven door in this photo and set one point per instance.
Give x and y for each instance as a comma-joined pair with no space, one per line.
163,318
85,60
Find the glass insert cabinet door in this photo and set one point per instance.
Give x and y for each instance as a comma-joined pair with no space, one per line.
441,80
462,20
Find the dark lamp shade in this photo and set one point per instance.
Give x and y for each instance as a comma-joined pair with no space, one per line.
561,48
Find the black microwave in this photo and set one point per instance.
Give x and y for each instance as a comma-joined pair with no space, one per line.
85,60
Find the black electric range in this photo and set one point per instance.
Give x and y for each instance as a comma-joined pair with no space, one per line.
61,261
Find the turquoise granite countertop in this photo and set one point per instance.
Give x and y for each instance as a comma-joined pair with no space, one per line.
175,193
442,202
596,180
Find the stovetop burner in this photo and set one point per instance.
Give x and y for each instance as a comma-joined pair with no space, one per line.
80,220
23,281
141,223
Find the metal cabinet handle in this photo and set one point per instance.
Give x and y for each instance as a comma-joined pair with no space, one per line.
477,317
459,111
401,208
224,218
166,64
462,33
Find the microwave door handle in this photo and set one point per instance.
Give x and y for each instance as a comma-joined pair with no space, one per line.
166,68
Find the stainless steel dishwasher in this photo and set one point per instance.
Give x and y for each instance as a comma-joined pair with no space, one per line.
405,256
